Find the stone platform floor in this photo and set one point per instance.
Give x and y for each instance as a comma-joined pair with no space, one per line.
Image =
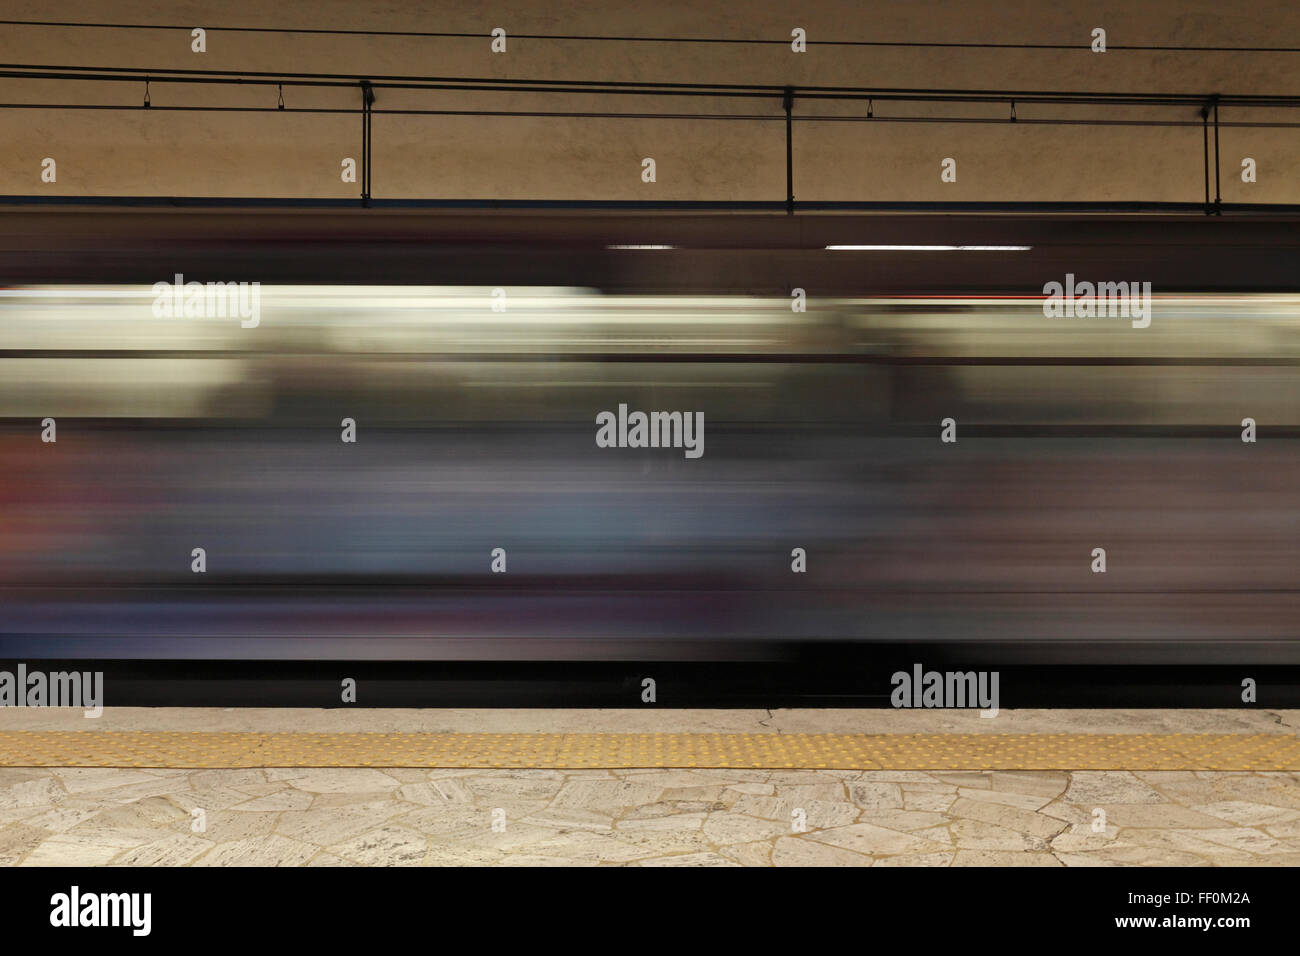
339,817
723,817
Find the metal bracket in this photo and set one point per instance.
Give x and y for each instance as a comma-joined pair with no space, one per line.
788,102
1211,108
367,101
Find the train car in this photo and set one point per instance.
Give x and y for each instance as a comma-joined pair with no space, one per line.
378,437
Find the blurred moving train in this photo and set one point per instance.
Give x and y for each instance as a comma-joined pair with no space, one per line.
475,410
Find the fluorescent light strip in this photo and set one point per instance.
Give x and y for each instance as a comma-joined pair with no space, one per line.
929,248
638,248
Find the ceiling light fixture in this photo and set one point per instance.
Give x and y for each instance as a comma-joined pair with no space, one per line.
929,248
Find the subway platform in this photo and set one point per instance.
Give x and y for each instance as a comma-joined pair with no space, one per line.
343,787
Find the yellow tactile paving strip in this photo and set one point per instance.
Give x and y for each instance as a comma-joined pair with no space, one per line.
1253,752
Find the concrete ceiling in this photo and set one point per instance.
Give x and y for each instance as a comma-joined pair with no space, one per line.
290,154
